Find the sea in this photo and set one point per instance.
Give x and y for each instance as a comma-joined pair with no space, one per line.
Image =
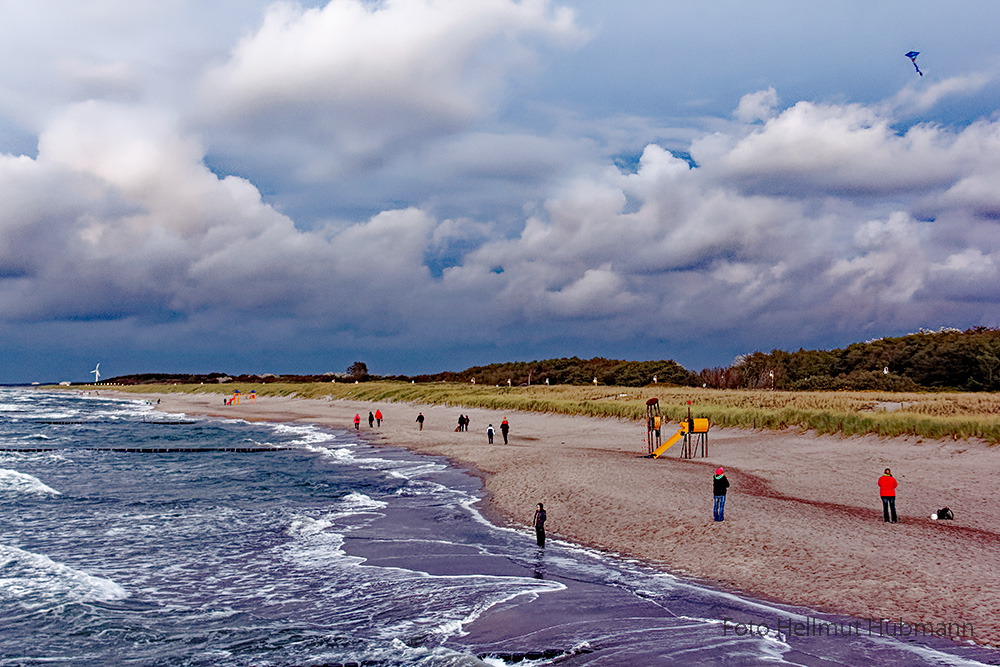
129,536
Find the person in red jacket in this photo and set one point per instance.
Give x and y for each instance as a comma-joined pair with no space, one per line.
887,489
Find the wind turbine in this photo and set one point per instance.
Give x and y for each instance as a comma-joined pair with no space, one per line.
97,373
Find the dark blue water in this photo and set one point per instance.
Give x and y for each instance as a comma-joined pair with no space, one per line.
325,550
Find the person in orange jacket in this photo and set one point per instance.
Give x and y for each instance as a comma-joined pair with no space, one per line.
357,422
887,489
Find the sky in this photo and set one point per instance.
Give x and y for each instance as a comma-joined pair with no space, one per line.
248,186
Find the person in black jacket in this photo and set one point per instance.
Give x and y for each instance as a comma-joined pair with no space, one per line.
719,486
539,523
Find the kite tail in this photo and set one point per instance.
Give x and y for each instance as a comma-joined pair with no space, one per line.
917,68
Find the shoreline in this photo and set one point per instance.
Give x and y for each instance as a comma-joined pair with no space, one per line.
803,518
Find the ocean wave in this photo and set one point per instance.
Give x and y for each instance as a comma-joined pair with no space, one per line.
49,458
341,453
19,482
28,437
303,434
351,505
400,469
306,526
443,605
409,470
358,502
35,580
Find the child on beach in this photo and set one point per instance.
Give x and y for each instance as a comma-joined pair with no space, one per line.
489,434
357,422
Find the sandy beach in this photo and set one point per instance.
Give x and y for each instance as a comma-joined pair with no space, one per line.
803,517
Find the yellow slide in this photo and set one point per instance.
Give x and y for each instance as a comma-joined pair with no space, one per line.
669,443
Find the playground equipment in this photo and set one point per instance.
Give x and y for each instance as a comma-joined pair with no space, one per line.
653,421
688,427
252,397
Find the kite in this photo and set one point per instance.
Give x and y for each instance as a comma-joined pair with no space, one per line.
912,55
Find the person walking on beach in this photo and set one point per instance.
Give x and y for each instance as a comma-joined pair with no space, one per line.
371,419
489,433
461,423
539,524
719,486
420,420
378,418
504,429
357,422
887,489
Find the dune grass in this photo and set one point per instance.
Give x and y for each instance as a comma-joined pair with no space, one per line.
928,415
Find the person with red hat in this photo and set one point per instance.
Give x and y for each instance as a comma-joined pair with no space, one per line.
719,486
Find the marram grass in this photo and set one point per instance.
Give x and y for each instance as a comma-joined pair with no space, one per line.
927,415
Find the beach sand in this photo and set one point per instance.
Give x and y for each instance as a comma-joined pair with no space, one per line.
803,516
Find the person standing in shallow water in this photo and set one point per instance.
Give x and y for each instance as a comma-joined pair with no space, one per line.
539,523
887,489
719,486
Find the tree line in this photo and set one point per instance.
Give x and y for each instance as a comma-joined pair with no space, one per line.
573,371
945,359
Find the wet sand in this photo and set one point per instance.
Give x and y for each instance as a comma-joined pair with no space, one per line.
803,517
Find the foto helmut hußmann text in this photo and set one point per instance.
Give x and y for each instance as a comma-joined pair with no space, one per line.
814,627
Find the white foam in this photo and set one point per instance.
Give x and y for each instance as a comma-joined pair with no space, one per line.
350,505
35,580
20,482
305,526
411,470
360,502
305,434
446,603
341,454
